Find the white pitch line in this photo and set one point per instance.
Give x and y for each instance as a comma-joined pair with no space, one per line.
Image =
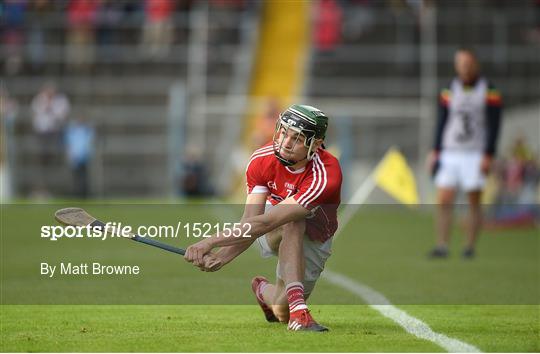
411,324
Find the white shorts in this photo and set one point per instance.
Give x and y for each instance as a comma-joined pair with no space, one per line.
315,256
460,169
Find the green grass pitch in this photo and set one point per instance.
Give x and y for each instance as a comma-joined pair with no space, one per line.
490,302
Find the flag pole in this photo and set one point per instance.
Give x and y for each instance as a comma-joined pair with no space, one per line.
360,196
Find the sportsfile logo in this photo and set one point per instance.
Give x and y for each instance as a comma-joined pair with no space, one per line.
111,229
118,230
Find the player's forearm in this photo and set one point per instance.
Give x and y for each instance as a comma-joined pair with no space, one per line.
228,253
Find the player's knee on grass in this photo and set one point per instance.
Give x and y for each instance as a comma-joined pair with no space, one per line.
281,312
280,305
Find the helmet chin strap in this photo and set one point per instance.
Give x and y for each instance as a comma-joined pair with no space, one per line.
286,162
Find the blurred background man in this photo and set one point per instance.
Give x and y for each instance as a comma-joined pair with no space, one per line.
50,110
465,144
79,142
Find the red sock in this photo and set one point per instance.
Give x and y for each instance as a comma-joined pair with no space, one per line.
295,296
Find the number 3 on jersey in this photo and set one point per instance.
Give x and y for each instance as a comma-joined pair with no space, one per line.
466,132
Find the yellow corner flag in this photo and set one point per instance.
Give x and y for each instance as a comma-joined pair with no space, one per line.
395,177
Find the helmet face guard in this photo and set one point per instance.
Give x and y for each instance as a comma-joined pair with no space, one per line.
305,121
309,141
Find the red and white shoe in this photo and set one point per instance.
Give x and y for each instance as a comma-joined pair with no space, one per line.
255,286
301,320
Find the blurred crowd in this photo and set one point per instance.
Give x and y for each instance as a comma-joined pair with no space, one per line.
339,22
84,30
348,21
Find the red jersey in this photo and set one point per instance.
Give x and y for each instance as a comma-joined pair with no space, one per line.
317,187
